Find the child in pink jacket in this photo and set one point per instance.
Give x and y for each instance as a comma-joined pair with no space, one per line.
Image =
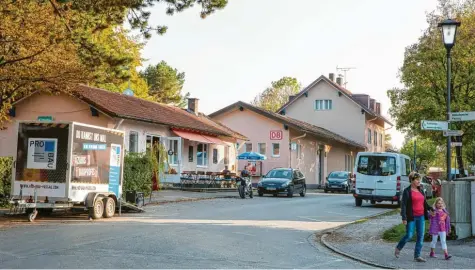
439,227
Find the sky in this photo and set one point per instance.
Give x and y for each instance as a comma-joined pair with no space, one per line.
237,52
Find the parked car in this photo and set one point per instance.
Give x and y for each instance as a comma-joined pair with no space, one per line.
282,181
426,183
338,181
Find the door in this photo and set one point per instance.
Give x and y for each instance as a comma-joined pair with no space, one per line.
173,168
320,161
376,174
386,179
296,180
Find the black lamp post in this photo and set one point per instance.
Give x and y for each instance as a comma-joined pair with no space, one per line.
449,30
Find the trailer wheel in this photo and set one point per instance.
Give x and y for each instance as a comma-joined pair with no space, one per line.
97,210
109,207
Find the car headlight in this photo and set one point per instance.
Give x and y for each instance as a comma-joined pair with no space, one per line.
286,184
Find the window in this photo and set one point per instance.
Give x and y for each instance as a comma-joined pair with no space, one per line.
202,155
377,165
369,136
279,173
133,142
275,149
408,166
226,155
296,175
299,151
248,147
173,146
301,174
381,139
375,138
261,147
323,104
190,153
338,175
215,156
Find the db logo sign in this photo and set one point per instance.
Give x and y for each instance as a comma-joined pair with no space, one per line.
276,135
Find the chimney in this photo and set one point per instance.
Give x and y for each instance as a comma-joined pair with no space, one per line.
291,97
331,76
193,105
338,81
372,104
378,107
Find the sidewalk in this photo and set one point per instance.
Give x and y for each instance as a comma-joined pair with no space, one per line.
362,241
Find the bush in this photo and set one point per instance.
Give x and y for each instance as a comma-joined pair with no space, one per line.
6,164
138,172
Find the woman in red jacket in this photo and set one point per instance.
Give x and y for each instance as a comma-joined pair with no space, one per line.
414,212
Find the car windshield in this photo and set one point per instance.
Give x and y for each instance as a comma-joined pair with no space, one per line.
287,174
338,175
377,165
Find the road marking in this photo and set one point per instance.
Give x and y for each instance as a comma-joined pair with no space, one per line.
243,233
323,263
309,218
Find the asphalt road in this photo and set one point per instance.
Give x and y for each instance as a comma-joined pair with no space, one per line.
265,232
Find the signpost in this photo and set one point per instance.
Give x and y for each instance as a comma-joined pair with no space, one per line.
434,125
462,116
453,133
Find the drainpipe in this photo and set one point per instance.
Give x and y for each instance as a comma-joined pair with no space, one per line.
117,125
290,147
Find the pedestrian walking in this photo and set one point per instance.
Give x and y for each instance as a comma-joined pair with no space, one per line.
414,212
439,227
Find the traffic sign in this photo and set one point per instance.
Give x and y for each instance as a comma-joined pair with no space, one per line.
434,125
453,144
462,116
453,133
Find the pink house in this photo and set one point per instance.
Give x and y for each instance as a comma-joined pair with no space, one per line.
326,103
195,142
287,142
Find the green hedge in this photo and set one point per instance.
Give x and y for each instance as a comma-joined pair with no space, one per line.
5,178
138,172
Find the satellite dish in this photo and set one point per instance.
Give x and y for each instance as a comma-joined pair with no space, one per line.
128,92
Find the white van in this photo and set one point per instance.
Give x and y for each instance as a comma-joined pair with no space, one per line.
380,176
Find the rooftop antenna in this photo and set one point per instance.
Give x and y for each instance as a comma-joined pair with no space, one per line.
344,69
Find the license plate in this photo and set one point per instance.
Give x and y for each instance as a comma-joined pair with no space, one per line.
366,191
334,186
271,188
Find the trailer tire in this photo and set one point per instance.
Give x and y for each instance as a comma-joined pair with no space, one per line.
109,207
97,210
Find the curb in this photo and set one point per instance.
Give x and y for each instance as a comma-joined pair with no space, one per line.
189,200
325,233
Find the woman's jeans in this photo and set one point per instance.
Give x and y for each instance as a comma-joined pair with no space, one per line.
417,224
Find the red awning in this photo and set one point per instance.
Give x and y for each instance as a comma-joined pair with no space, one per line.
212,139
191,136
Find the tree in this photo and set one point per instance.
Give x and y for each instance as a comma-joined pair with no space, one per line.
426,152
387,141
165,84
423,75
75,41
278,94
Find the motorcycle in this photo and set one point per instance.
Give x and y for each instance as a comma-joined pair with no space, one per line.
245,187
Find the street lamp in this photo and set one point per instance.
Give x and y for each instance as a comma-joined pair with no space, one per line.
449,31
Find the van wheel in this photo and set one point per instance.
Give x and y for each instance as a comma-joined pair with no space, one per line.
358,202
373,202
